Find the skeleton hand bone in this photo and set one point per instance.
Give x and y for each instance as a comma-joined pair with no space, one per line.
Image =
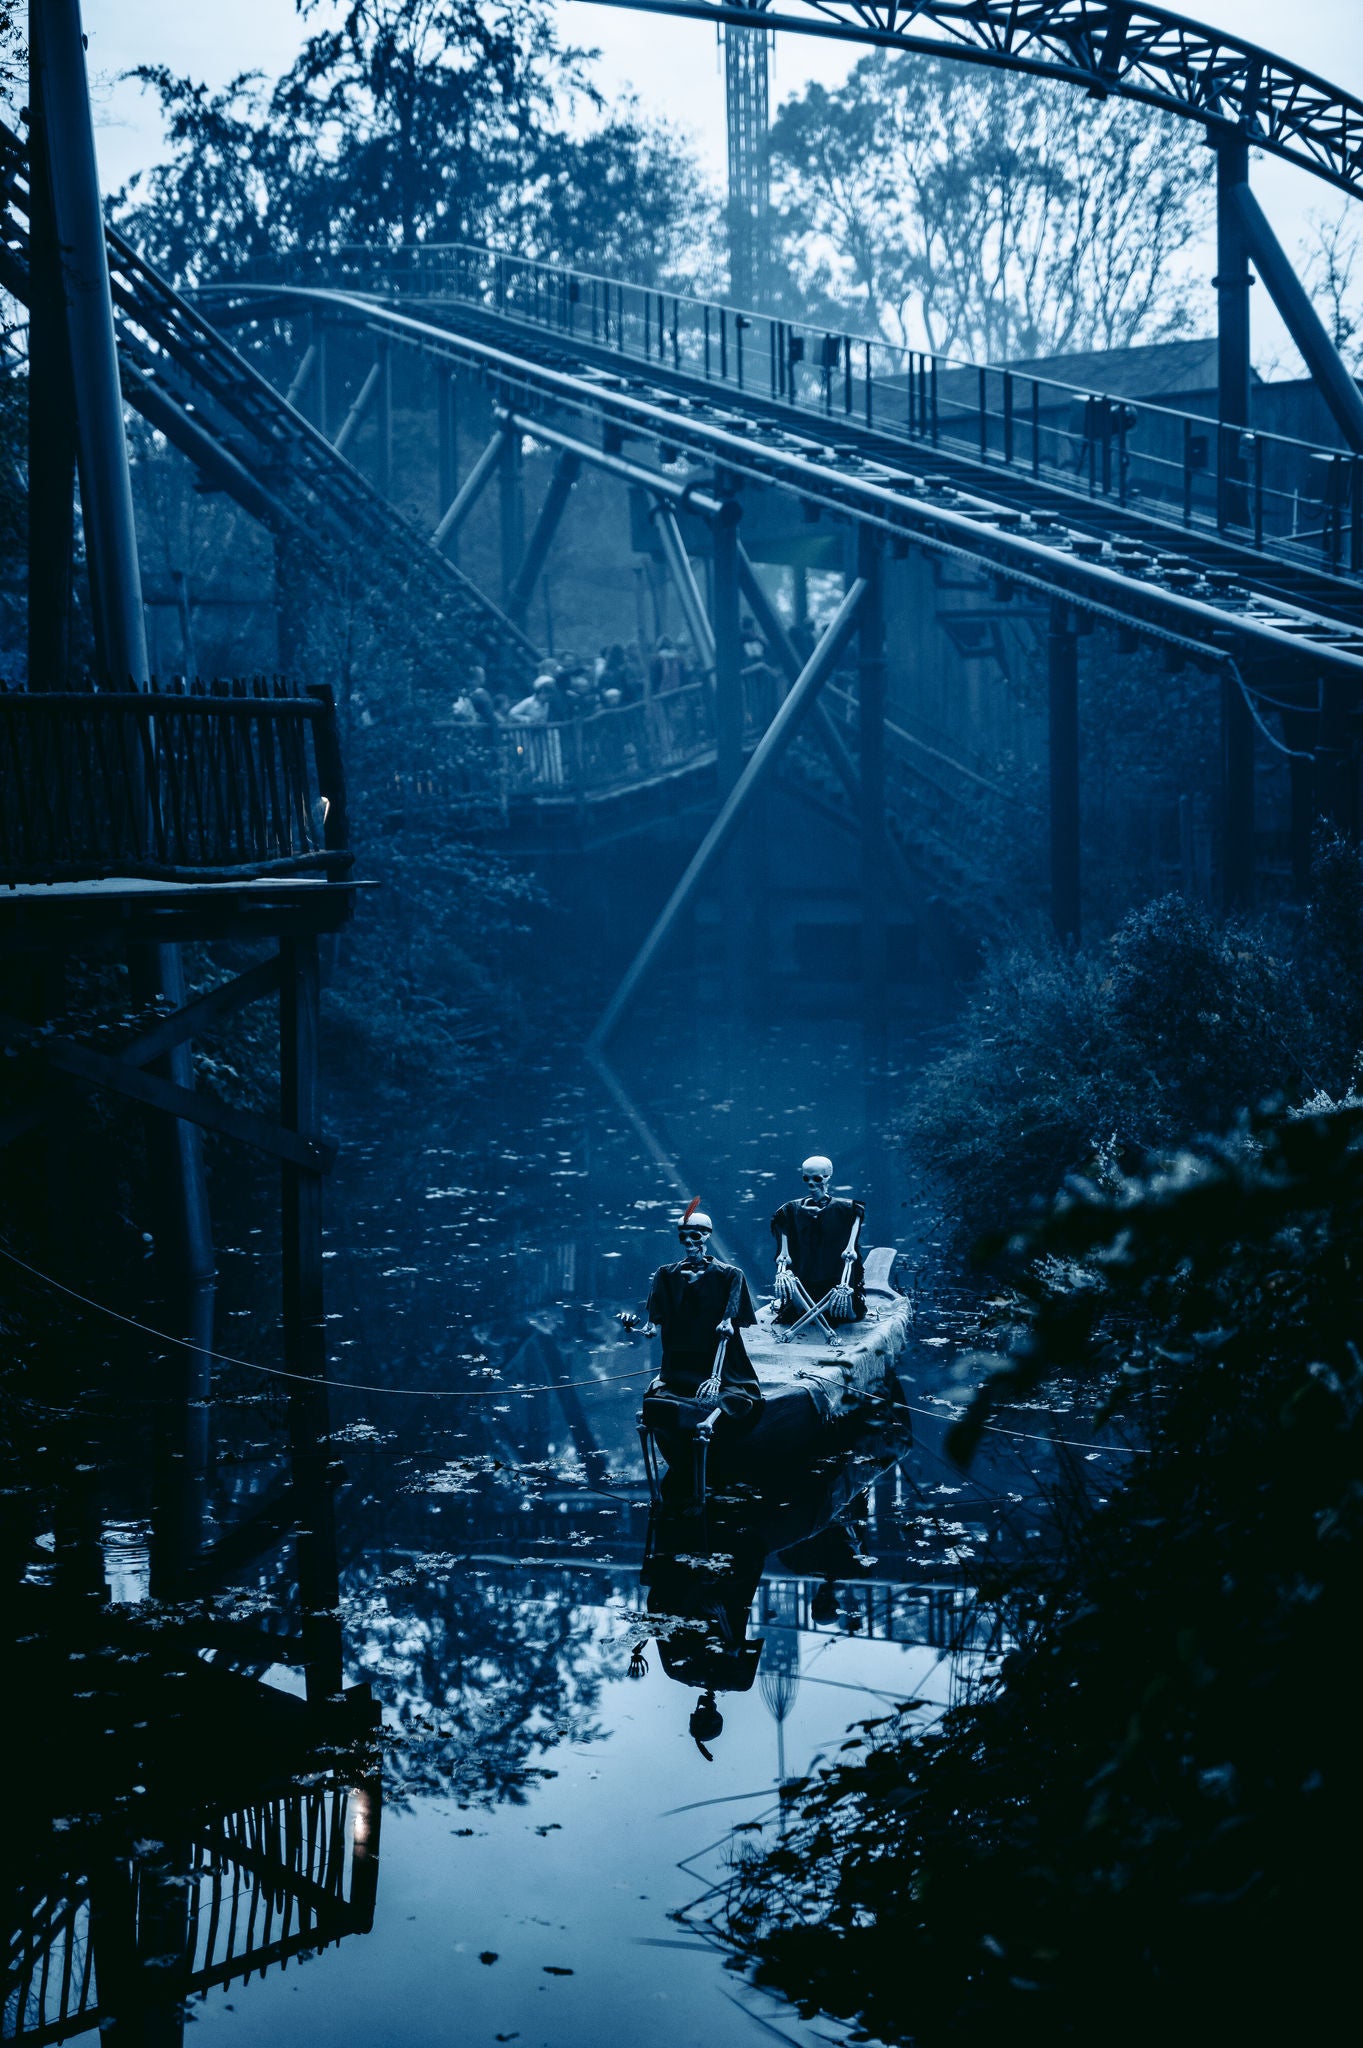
629,1321
842,1306
783,1287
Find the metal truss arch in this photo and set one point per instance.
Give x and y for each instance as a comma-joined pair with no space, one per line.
1108,48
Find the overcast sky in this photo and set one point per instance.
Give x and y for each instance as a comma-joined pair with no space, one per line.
673,66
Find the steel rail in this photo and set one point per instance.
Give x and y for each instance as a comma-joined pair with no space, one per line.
1146,54
888,498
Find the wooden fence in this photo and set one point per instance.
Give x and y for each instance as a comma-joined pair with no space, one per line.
213,782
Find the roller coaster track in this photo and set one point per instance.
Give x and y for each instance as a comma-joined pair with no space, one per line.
192,386
1106,47
1218,598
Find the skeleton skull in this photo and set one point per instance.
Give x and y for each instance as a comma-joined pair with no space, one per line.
816,1174
694,1232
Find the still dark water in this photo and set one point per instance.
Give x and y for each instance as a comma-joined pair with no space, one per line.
552,1843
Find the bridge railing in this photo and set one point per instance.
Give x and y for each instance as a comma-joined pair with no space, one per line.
624,747
1288,496
216,782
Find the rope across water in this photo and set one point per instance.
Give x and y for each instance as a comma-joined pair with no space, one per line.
486,1393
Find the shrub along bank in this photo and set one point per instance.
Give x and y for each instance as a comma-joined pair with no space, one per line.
1142,1826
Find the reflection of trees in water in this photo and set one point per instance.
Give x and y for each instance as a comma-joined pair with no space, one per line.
478,1677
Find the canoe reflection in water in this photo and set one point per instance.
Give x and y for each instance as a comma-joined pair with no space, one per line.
702,1570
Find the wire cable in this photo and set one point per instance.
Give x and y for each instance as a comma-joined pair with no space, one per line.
480,1393
277,1372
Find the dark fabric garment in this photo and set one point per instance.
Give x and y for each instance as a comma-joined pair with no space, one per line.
816,1239
687,1303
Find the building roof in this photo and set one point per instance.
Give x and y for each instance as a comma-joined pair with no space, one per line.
1157,370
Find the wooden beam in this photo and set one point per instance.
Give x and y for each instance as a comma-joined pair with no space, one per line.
96,1070
166,1033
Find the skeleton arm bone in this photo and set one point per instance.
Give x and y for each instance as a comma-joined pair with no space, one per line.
841,1302
784,1286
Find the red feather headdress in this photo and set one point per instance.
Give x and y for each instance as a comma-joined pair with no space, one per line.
691,1209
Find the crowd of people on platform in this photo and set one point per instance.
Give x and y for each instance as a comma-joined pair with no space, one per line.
573,687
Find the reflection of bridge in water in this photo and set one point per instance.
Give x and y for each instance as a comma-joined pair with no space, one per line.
249,1888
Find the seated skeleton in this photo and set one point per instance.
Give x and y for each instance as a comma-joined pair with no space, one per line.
818,1258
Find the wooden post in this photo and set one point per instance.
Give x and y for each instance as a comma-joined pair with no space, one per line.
1062,679
728,649
304,1327
1237,795
871,709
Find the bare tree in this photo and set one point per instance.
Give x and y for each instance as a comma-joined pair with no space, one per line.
984,215
1333,253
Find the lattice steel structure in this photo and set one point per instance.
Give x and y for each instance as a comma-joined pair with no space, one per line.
1139,53
748,114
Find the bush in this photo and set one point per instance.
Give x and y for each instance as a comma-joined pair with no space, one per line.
1139,1829
1085,1062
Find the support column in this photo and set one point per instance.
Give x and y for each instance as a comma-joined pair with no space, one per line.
1299,733
304,1326
565,474
728,648
51,427
1062,687
1336,776
1237,796
447,447
511,483
871,713
58,56
68,144
1232,324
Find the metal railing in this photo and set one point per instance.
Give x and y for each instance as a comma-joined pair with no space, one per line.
210,782
605,753
1283,495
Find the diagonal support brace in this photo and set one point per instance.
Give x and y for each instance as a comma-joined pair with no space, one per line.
1300,317
766,754
364,398
836,748
89,1069
475,483
684,579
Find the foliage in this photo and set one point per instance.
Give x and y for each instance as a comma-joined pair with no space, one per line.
985,215
415,121
420,978
1139,1828
1073,1062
